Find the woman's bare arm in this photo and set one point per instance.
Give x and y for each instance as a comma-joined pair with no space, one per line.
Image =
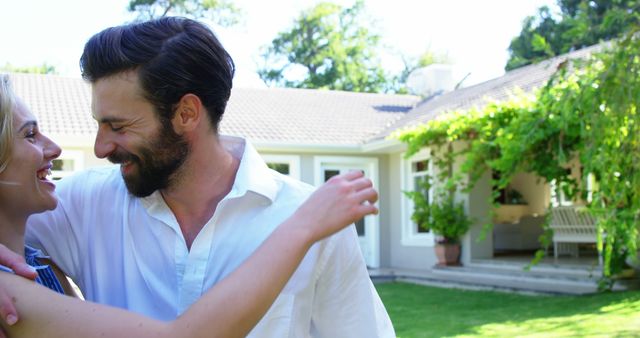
229,309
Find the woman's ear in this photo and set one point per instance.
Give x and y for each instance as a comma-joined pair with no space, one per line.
189,114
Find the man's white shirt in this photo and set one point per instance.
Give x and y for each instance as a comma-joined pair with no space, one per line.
129,252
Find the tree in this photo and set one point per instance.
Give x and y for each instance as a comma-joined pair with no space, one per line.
329,47
42,69
222,12
581,23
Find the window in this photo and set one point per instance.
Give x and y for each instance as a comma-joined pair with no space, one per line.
67,163
416,171
283,168
419,176
284,164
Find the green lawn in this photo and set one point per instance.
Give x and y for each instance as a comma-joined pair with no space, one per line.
421,311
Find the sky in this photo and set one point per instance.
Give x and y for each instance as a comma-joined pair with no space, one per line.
473,34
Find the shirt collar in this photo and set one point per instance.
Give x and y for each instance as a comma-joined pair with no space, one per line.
253,174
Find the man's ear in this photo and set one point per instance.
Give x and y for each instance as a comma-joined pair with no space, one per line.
189,114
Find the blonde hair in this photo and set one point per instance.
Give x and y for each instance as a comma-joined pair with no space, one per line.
7,105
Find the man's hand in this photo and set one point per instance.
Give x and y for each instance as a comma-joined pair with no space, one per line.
339,202
16,263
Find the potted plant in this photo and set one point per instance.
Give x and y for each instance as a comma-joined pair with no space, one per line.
446,219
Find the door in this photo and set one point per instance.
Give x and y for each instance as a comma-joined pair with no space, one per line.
367,227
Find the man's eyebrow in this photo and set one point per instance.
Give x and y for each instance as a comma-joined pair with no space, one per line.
109,119
28,124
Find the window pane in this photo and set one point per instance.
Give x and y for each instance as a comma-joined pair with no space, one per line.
330,173
282,168
420,166
418,185
360,227
421,230
418,182
62,165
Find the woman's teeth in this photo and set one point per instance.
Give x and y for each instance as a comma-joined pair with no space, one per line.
42,174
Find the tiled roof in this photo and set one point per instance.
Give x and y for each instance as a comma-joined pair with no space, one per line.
270,115
527,79
306,116
62,105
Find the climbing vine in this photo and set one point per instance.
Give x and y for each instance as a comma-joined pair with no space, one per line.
587,110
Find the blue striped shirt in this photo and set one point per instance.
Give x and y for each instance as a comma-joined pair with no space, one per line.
46,276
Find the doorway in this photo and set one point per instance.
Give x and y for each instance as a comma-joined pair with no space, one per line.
367,227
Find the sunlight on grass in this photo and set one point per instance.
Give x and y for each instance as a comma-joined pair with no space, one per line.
570,326
418,311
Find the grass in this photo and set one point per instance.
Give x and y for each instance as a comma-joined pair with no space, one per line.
421,311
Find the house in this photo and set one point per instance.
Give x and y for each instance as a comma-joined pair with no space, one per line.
308,134
315,134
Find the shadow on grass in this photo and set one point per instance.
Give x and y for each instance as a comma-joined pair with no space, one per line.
420,311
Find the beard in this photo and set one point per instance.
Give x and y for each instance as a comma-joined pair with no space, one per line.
157,162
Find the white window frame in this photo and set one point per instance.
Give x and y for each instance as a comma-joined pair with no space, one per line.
77,156
591,186
292,160
410,234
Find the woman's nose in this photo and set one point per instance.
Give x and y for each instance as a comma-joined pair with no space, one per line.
51,150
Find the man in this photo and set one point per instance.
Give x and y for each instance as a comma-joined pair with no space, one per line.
188,205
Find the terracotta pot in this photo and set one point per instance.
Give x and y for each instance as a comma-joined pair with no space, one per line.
448,254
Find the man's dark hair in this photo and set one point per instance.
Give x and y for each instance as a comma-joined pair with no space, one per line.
173,56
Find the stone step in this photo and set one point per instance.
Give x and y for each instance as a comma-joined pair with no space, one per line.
504,277
538,271
518,281
542,267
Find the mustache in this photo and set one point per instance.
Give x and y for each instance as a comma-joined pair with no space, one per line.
118,157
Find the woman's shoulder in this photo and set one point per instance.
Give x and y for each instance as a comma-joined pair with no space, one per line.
49,274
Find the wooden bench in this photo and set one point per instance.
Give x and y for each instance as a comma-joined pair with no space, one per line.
572,225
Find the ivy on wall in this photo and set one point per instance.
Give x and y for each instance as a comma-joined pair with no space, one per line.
588,110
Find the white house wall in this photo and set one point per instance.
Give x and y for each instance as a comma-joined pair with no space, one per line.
478,208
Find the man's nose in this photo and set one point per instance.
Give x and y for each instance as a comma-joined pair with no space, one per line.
104,145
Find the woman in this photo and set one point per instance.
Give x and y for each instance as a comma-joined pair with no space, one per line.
229,309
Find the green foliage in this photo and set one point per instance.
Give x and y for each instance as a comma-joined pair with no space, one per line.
331,46
587,111
221,12
581,23
444,217
42,69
